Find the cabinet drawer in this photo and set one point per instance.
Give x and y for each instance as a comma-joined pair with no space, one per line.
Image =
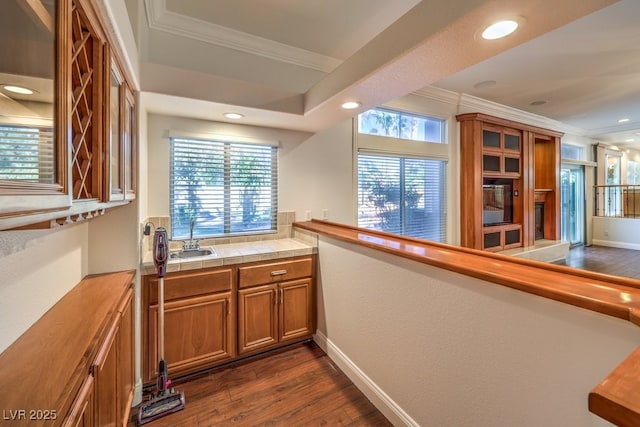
274,272
183,285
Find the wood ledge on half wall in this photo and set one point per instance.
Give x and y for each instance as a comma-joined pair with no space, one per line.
617,397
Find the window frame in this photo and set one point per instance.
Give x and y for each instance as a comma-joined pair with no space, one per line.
389,146
398,128
403,210
225,177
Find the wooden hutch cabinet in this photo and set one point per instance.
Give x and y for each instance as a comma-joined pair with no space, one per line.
509,183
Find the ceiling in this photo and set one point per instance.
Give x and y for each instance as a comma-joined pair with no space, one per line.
291,64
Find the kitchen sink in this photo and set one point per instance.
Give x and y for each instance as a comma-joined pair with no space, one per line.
191,253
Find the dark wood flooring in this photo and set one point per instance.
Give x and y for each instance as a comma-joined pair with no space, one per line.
299,386
602,259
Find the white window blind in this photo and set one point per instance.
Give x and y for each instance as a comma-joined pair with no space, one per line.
27,154
402,195
227,188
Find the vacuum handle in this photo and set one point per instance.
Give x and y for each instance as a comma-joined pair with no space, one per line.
160,250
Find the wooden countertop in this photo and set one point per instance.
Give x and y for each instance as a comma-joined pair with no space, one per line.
617,397
44,368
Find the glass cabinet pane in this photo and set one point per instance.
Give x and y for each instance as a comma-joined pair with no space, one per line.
490,163
114,133
512,164
512,142
490,139
129,146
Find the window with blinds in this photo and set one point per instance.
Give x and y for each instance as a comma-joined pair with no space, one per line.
403,195
227,188
27,154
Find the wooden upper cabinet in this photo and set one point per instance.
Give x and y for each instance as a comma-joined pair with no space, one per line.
73,139
86,105
33,127
119,136
501,151
503,164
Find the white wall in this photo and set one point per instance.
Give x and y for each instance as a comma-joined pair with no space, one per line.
315,171
114,240
317,174
616,232
41,268
435,348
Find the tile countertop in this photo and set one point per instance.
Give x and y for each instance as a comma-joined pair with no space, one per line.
236,253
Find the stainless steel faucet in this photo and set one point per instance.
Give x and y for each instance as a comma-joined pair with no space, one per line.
191,245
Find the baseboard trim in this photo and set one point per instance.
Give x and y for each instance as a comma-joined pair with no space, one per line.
137,393
371,390
613,244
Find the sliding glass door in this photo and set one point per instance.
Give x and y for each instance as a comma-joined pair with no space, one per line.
573,204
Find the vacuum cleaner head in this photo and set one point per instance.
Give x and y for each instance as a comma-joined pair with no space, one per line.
164,404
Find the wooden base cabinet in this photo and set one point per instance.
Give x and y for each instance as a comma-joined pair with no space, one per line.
198,333
113,370
271,314
217,315
74,365
199,320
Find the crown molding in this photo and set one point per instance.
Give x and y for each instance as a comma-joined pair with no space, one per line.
438,94
160,19
469,103
105,10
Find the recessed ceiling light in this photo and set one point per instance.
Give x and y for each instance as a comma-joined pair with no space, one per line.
485,84
18,89
499,29
350,105
233,116
540,102
623,120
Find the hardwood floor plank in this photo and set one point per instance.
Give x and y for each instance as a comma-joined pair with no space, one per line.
607,260
299,386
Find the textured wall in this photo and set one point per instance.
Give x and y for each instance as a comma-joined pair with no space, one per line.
435,348
38,269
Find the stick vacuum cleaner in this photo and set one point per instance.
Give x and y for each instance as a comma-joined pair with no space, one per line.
166,399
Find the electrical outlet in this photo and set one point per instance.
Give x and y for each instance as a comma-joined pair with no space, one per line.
606,233
307,215
325,213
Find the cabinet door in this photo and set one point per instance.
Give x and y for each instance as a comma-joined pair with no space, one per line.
198,332
33,143
125,360
105,372
257,318
295,309
129,146
81,412
115,153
